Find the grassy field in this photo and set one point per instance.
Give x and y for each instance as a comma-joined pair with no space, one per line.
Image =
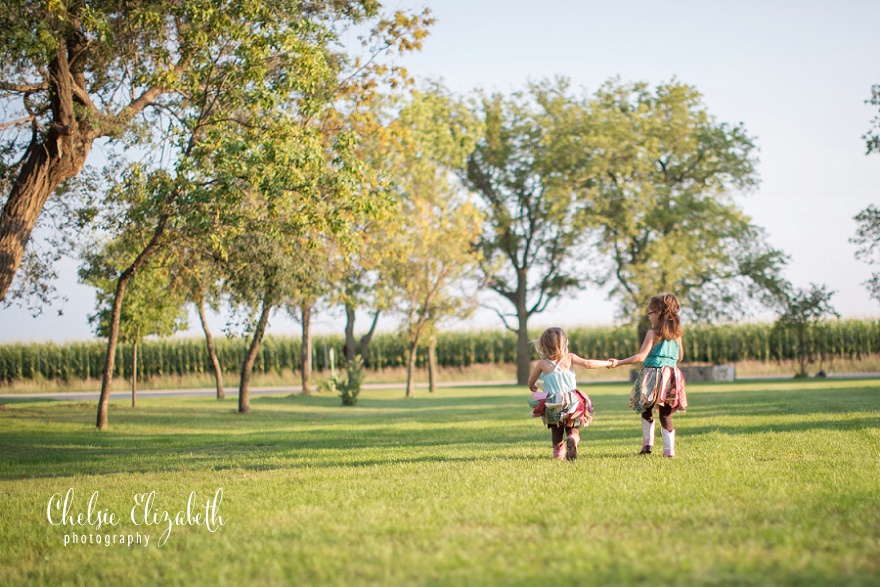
776,483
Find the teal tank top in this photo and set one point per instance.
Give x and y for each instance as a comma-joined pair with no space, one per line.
559,380
664,354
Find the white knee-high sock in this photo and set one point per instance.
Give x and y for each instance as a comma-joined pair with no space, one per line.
668,442
648,432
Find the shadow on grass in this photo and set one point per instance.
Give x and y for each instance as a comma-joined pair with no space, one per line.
54,439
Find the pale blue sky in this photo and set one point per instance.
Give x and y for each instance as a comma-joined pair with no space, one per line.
795,73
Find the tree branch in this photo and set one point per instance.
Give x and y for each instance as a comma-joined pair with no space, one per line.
24,88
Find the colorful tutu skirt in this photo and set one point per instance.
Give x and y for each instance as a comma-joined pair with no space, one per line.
658,386
565,408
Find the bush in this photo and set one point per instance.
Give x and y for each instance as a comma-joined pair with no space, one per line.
350,386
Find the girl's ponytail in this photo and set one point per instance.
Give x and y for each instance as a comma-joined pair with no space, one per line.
668,321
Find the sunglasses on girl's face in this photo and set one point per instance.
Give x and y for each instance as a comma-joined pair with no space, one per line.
653,312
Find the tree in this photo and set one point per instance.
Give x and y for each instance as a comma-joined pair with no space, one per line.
199,274
436,253
75,72
309,283
153,305
800,310
298,182
872,137
868,239
434,249
136,211
868,232
523,172
252,108
662,173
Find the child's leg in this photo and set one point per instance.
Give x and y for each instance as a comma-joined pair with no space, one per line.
571,444
647,431
668,432
557,435
665,413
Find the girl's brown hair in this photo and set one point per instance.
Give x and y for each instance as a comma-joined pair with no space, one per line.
552,344
668,322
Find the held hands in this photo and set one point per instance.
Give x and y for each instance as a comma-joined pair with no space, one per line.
614,363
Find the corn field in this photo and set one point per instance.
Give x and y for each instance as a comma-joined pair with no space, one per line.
845,339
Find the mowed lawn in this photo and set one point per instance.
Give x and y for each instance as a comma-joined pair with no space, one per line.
776,483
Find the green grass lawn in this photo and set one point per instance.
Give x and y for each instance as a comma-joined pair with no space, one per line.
776,483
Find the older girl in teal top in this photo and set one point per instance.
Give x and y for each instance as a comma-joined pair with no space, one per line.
561,406
660,382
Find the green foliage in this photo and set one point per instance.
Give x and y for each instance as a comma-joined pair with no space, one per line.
802,309
661,172
152,305
349,385
868,240
524,174
872,137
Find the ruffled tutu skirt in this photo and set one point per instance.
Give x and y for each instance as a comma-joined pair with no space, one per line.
658,386
566,408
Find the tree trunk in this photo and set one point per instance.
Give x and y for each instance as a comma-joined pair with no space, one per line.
350,350
113,336
44,170
306,350
48,160
365,339
802,351
134,371
523,346
244,388
212,353
62,152
432,364
411,362
410,369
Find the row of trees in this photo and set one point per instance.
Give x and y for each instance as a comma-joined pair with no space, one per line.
268,167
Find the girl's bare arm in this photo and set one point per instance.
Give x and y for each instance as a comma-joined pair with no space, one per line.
589,363
640,356
533,378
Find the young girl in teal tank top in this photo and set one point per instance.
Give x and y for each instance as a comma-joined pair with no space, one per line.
561,406
660,382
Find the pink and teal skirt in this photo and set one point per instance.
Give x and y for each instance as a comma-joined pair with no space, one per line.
658,386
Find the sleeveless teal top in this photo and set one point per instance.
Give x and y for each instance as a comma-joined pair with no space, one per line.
664,354
559,380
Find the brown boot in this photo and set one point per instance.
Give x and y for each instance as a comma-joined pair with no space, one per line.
559,452
571,445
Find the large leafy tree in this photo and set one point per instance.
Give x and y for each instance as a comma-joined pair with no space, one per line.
249,127
524,174
361,287
868,239
74,72
298,184
434,247
868,232
663,173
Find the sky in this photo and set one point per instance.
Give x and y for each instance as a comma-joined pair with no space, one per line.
796,74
